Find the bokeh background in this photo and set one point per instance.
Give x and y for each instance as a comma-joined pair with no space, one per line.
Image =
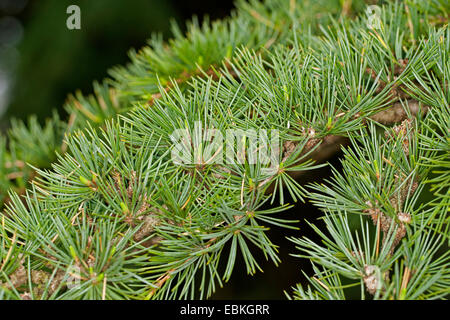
41,62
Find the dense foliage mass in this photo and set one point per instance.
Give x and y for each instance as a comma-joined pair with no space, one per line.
110,215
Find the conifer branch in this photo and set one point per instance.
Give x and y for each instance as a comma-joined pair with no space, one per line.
110,214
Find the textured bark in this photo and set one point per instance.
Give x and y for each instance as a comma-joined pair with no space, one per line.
397,113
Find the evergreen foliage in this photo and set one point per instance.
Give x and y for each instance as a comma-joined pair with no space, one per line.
110,211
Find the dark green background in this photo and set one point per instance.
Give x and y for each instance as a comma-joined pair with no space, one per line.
51,61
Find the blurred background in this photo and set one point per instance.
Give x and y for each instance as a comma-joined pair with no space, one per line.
41,62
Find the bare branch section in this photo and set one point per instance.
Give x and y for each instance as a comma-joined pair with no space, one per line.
398,112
